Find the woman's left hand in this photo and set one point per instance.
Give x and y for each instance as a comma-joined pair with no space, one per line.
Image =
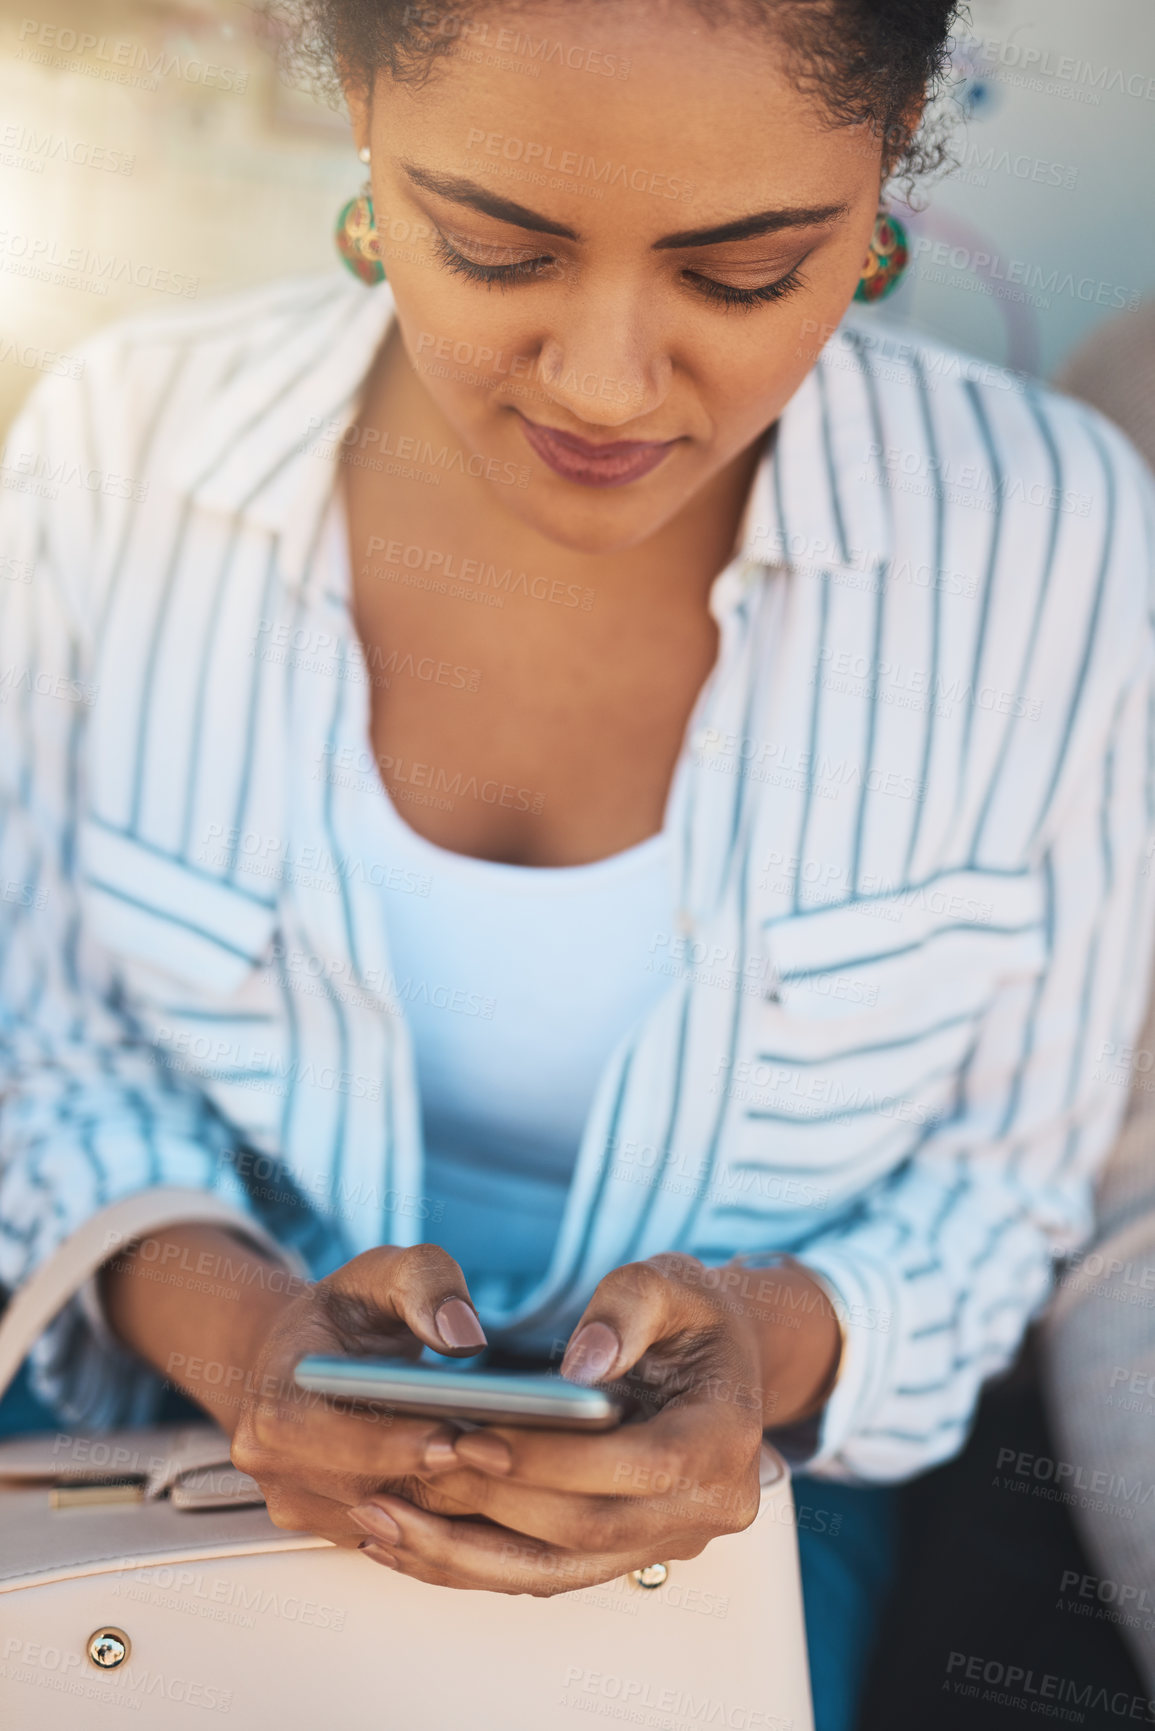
561,1510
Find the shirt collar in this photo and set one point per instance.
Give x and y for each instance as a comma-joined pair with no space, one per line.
269,455
820,500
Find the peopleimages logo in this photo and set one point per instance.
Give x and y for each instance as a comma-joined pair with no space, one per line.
1015,1685
1128,1598
33,254
122,61
649,1701
1070,75
1096,1488
22,354
512,48
23,146
997,274
534,154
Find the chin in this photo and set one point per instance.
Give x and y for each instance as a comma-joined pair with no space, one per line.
588,527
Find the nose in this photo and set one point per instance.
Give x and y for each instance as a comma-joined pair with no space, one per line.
607,365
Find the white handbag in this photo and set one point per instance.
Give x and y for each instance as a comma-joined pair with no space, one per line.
136,1574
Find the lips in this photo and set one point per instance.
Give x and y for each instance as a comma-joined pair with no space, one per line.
595,465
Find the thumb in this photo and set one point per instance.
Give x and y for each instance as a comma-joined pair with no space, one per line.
632,1309
420,1286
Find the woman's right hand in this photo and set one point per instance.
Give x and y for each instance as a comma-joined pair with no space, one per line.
315,1459
231,1336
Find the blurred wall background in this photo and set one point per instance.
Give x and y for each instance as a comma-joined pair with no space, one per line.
150,150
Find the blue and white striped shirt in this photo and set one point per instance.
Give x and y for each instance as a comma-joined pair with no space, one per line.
912,814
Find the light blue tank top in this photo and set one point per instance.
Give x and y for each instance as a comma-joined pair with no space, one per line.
518,982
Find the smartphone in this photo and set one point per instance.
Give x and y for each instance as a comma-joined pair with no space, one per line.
479,1396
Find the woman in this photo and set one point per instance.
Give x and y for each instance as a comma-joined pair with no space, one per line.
575,573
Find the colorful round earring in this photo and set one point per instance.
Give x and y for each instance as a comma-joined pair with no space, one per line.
356,234
886,259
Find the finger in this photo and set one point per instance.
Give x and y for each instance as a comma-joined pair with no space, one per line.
363,1447
421,1287
582,1523
631,1309
295,1510
477,1556
685,1451
326,1509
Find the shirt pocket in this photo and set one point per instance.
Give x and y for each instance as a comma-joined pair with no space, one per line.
905,962
164,920
872,1010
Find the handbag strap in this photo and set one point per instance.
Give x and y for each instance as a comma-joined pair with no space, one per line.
45,1293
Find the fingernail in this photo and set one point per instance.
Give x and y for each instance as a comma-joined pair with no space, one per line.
590,1353
457,1324
376,1523
377,1555
439,1453
489,1454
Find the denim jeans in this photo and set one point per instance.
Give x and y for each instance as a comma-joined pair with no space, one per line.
20,1410
847,1551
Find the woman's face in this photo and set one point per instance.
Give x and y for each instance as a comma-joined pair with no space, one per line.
614,235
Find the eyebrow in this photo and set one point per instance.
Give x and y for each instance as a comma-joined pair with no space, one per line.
469,192
745,227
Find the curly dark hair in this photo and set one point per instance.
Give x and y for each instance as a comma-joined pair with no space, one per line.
868,61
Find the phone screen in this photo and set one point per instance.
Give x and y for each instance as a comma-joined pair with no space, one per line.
478,1396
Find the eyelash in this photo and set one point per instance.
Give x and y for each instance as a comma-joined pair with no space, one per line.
734,297
509,275
495,275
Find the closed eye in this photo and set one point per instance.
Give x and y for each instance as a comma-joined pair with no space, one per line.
511,272
496,274
727,295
